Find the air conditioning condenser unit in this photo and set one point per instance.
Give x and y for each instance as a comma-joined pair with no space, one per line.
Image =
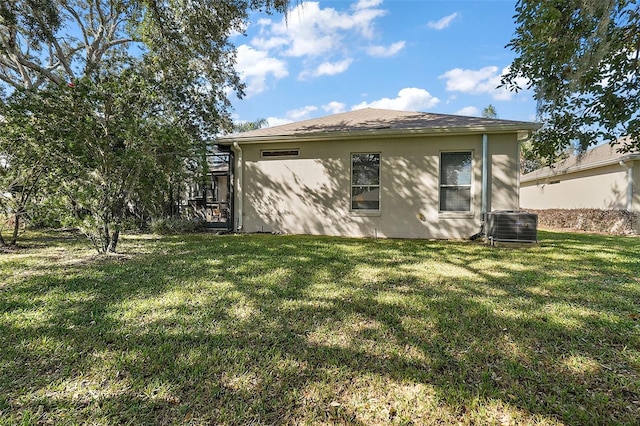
512,226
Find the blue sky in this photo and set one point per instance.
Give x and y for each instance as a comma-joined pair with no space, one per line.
415,55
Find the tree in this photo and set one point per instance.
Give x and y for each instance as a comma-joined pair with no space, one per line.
581,57
247,126
107,80
100,138
21,170
489,112
61,40
24,166
528,159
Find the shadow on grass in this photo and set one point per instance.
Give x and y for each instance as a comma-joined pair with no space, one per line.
271,330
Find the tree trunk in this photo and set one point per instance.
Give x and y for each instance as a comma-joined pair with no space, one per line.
117,225
16,228
170,201
105,240
114,241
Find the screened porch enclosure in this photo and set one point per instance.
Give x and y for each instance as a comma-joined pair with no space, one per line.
212,199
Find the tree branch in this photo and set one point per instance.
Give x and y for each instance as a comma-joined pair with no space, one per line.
78,21
64,60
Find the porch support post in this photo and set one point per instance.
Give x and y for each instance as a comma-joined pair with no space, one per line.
239,162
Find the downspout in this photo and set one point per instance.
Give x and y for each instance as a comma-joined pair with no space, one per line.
518,170
630,187
485,184
239,162
485,175
629,184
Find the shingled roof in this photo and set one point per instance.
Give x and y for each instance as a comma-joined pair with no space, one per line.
600,156
380,122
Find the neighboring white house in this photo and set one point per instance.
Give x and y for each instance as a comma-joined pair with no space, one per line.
375,172
600,178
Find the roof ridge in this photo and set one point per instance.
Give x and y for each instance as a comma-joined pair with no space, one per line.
371,119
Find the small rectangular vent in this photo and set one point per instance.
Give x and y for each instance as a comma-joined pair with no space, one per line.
512,226
280,153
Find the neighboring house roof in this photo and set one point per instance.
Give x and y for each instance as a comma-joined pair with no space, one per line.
603,155
370,122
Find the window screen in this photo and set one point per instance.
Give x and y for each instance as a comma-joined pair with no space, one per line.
455,182
365,181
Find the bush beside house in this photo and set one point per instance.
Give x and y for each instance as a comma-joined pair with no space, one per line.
594,191
615,222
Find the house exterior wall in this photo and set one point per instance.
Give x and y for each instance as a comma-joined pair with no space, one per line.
599,188
310,193
503,172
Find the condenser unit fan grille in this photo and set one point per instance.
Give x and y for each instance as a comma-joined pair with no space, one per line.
512,226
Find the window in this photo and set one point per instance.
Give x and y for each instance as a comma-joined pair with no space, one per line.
455,182
280,153
365,182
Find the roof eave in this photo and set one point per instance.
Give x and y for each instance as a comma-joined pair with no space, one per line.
378,133
578,168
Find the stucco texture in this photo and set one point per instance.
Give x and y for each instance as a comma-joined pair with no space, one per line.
310,193
601,188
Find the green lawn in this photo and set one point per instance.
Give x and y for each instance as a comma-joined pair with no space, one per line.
261,329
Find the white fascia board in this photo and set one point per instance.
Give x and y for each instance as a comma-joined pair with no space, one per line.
377,134
556,172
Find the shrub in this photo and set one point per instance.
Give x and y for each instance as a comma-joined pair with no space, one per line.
48,213
616,222
176,225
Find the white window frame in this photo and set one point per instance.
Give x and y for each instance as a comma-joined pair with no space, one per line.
443,185
280,153
365,211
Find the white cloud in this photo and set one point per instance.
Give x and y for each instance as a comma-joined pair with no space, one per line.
298,114
326,40
365,4
363,20
327,68
269,43
301,113
277,121
333,68
334,107
385,51
408,99
254,66
476,82
310,30
470,81
444,22
470,111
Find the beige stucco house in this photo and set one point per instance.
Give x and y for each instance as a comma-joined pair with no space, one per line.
375,173
600,178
